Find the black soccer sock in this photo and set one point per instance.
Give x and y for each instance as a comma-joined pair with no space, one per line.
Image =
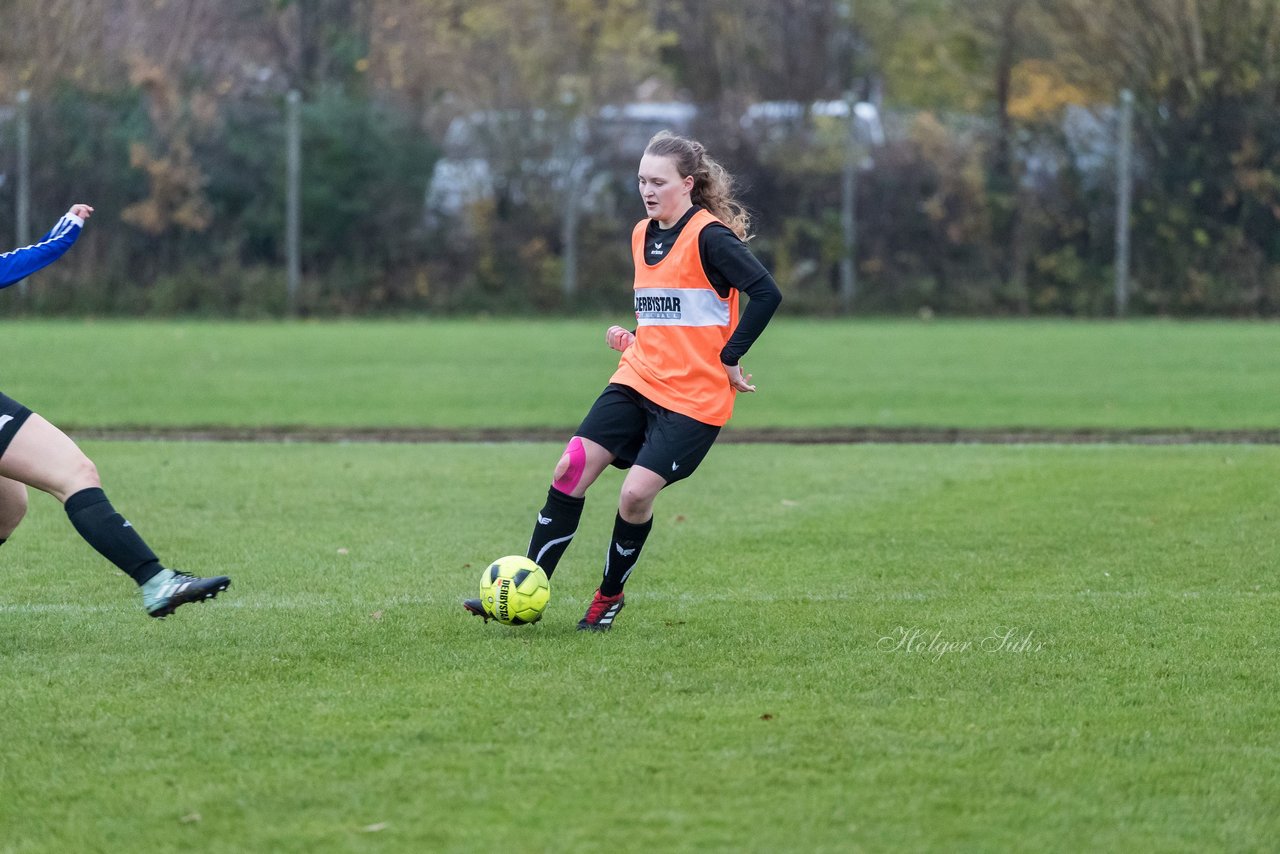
557,523
111,534
624,551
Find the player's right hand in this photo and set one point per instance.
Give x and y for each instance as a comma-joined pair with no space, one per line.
81,210
618,338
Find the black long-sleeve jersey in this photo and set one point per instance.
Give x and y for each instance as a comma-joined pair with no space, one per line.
728,263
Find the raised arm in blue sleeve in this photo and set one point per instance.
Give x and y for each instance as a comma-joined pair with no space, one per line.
20,263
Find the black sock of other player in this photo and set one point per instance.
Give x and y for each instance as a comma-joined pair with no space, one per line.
624,551
111,534
557,523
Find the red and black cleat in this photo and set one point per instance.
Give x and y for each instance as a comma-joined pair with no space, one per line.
600,613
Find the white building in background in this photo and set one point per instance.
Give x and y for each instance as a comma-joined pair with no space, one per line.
476,145
466,174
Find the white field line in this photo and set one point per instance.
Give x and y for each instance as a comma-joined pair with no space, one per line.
327,605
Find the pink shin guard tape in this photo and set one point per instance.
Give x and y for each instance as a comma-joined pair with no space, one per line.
567,482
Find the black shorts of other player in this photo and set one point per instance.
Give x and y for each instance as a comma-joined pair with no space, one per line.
638,431
12,416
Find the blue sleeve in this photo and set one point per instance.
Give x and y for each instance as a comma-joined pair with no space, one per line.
20,263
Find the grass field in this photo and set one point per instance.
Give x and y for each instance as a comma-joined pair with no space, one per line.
506,373
871,648
826,648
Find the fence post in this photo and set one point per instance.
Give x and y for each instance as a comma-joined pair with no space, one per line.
293,207
849,212
571,214
1124,193
24,176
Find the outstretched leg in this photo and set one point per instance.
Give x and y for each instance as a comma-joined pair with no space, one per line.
42,456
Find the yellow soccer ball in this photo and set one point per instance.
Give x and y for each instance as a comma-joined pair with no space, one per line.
514,590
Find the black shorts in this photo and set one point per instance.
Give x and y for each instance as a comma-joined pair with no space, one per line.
12,416
639,432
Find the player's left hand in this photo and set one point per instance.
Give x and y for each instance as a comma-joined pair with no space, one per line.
81,210
737,379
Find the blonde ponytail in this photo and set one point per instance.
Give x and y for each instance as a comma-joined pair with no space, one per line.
712,184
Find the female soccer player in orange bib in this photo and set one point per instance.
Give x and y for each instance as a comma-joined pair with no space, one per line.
680,370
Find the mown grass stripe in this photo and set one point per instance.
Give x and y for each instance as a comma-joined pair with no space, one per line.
780,436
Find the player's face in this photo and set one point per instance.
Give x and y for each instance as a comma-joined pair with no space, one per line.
664,192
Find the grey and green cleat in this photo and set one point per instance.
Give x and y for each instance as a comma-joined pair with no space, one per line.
168,589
